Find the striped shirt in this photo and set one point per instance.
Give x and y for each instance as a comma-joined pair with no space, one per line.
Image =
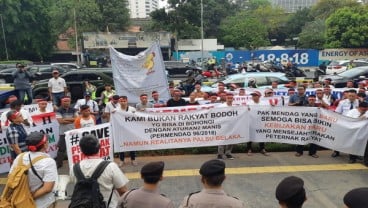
16,134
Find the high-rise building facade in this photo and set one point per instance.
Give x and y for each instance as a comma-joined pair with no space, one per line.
291,6
142,8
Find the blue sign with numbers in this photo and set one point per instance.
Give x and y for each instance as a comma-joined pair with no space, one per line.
302,58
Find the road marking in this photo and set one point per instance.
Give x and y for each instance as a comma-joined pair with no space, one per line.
252,170
268,169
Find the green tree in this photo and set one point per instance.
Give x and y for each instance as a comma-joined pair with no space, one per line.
27,29
324,8
183,17
90,15
297,21
242,30
346,28
313,35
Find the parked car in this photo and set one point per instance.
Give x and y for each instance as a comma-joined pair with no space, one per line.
176,69
355,74
71,66
263,80
336,67
39,73
74,80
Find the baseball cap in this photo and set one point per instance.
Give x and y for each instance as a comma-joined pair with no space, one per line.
87,94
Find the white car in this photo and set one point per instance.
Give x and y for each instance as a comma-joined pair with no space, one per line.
336,67
263,80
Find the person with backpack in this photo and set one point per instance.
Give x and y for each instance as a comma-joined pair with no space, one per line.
98,182
148,196
38,176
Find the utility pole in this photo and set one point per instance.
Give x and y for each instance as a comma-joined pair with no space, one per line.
202,35
6,48
76,37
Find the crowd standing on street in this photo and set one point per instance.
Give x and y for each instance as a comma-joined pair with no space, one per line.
113,183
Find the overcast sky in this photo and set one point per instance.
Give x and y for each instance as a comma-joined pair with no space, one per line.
162,3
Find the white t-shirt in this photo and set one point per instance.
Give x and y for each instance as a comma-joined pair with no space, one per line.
87,122
111,107
46,169
112,177
354,113
93,106
57,85
130,109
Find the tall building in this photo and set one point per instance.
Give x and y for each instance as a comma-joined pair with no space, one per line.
292,6
142,8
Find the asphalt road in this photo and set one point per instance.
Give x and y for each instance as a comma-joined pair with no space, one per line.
253,178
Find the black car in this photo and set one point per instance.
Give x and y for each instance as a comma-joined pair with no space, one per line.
356,74
75,82
39,73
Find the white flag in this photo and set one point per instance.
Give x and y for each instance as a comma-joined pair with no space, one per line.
143,73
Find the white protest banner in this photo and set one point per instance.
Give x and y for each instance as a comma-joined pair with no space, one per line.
150,131
72,138
5,158
303,125
143,73
180,109
47,124
274,100
32,109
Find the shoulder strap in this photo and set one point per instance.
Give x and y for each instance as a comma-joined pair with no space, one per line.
187,204
100,169
126,196
78,172
34,161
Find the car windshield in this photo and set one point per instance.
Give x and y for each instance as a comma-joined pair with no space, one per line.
353,72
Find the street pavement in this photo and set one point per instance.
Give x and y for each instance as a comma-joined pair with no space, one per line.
253,179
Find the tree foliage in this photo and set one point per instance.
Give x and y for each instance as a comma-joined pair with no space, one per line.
243,30
324,8
184,17
313,35
27,29
346,28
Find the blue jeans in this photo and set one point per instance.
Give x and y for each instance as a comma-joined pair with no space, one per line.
56,98
22,93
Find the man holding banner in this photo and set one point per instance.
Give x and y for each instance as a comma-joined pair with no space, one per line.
226,149
65,115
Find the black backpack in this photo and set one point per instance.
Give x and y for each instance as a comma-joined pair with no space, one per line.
86,192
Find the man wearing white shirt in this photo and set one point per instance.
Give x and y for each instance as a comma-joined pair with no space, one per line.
344,107
111,107
348,104
360,112
17,106
57,88
256,95
93,106
226,149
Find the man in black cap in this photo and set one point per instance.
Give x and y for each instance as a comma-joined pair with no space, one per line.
111,107
148,195
291,193
356,198
87,101
213,175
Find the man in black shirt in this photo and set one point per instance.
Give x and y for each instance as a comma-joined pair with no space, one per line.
176,100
